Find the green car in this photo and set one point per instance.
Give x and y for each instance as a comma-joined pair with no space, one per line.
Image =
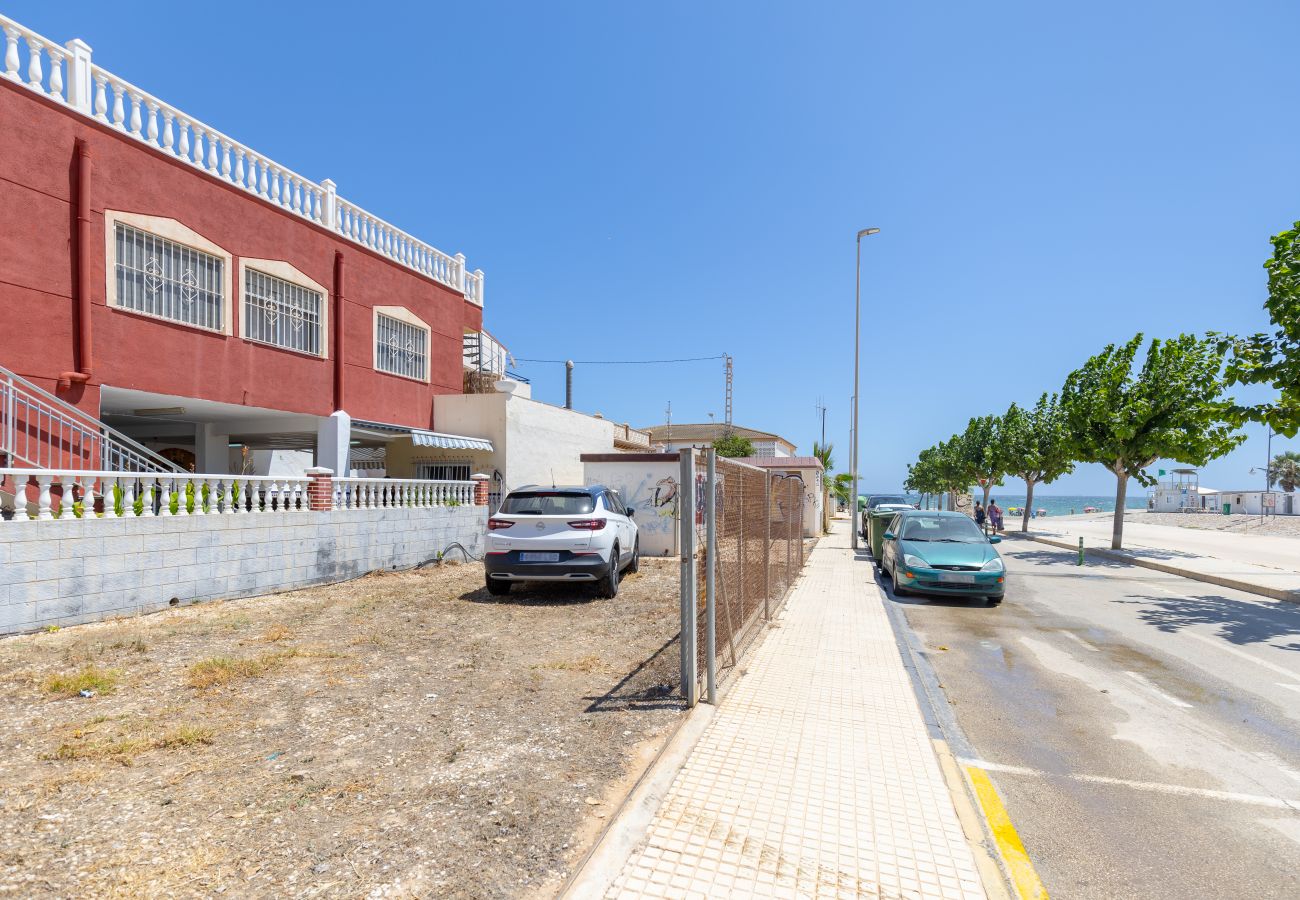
942,553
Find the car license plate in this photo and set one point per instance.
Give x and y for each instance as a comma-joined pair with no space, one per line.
956,578
539,557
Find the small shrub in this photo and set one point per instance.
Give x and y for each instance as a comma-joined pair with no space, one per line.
276,633
91,678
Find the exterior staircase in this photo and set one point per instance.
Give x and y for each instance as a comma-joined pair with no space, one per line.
40,431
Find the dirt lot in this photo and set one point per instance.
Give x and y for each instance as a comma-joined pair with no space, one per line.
399,735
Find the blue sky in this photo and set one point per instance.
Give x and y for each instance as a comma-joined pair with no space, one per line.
666,180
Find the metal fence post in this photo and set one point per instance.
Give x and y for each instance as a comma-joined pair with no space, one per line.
686,508
767,547
710,598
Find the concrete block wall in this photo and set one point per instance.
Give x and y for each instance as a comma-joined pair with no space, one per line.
67,572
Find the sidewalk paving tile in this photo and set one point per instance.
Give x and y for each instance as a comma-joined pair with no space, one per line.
816,777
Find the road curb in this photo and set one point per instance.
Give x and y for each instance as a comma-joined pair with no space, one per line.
1219,580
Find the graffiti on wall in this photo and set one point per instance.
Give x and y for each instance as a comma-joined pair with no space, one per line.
658,497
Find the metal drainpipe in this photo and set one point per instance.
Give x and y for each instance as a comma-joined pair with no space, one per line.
85,343
338,329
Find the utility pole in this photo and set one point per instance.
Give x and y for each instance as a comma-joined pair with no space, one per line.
668,428
727,416
821,408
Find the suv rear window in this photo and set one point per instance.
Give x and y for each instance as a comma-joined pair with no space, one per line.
547,503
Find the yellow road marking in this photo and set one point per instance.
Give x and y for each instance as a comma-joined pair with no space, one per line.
1023,877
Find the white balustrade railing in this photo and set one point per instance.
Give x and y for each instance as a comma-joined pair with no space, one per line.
81,494
95,92
381,493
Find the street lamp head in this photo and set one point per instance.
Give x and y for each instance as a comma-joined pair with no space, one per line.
868,231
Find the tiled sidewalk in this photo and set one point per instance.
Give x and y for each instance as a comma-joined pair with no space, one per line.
816,777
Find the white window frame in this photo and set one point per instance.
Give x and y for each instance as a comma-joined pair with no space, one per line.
278,268
401,314
177,233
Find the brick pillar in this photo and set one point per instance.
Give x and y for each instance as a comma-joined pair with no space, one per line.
320,492
480,489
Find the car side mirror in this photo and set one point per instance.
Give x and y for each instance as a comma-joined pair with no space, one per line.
889,535
995,539
631,512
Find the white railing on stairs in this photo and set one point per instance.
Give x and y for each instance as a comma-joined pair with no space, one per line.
42,431
73,80
63,494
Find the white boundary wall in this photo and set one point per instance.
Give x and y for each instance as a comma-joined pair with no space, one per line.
66,572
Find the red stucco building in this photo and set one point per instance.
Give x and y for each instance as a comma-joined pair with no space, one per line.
198,297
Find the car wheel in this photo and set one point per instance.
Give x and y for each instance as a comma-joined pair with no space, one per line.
497,587
993,601
893,583
609,584
635,565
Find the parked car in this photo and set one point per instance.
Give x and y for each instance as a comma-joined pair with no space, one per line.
877,502
942,553
578,534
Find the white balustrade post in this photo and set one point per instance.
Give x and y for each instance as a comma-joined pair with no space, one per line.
34,74
43,510
56,75
478,274
11,53
101,97
151,125
198,497
119,110
130,483
88,498
110,498
183,150
168,134
136,103
459,275
147,491
228,496
80,95
68,482
165,507
211,138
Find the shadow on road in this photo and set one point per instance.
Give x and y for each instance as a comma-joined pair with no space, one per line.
1238,621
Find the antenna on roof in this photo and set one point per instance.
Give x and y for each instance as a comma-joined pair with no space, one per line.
552,477
727,418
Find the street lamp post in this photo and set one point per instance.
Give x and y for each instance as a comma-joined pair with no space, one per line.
857,339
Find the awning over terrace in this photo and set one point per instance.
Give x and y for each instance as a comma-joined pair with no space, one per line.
419,436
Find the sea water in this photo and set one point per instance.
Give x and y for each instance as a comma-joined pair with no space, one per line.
1059,505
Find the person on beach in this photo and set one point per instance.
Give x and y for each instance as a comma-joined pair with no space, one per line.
979,515
995,516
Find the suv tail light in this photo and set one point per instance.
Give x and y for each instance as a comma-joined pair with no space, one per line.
588,524
497,524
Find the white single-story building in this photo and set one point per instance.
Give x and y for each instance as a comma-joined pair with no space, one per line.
810,470
673,437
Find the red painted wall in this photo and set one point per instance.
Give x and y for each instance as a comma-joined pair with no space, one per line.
38,313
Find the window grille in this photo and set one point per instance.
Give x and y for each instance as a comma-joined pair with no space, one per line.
444,471
281,313
161,278
400,347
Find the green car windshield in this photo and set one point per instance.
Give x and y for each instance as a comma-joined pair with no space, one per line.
948,529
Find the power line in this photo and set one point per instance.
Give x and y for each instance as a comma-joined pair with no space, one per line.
621,362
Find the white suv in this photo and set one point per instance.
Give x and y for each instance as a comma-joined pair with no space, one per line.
561,534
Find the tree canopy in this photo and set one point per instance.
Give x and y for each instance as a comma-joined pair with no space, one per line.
1172,407
734,445
1274,359
1036,446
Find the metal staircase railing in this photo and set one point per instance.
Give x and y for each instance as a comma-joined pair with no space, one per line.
40,431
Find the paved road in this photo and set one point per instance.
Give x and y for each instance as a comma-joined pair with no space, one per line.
1143,729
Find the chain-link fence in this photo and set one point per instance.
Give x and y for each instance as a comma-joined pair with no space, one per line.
756,550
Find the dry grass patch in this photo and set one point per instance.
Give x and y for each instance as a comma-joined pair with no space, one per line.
219,670
124,747
588,663
276,633
89,678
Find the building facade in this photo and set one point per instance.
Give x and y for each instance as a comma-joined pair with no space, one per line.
201,299
673,437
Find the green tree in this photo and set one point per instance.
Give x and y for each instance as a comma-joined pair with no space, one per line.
1284,471
980,450
1036,444
734,445
1273,359
1172,407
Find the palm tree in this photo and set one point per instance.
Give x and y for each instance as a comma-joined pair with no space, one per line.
1284,470
836,486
